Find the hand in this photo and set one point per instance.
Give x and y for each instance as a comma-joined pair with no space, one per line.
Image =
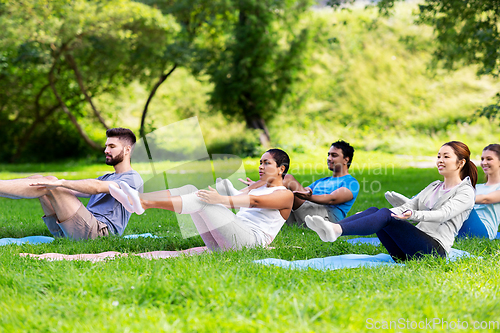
210,196
49,184
247,182
405,216
304,195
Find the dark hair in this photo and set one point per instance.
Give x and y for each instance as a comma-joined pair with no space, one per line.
281,158
463,153
494,147
123,134
347,150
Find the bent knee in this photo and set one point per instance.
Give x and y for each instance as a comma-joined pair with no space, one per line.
384,210
186,189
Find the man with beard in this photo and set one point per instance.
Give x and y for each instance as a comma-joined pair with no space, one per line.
65,215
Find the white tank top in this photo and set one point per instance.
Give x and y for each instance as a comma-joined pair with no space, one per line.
266,223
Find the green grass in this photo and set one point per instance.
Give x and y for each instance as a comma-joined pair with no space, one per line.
227,292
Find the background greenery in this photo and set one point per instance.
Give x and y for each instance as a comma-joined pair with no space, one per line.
368,79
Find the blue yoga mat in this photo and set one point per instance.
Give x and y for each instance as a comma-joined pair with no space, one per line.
350,260
33,240
335,262
364,240
30,239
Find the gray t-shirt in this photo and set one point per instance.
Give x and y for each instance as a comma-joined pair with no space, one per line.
107,209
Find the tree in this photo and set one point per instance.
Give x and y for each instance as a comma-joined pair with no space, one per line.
467,33
260,61
202,23
59,55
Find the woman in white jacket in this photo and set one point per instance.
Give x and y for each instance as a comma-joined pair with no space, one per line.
441,208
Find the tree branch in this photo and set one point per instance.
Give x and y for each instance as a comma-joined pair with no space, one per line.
72,63
151,95
66,110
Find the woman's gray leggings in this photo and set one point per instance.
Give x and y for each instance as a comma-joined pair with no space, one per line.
218,226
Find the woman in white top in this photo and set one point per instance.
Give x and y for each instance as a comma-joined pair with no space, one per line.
263,210
485,217
441,208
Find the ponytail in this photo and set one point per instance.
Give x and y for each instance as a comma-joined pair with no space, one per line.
470,170
463,153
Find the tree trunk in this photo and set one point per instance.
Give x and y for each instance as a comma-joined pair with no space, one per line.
72,118
151,95
260,124
72,63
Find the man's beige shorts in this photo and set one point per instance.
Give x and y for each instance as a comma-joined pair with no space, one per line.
82,225
297,216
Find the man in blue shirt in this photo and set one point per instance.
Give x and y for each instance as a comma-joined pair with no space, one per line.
329,197
65,215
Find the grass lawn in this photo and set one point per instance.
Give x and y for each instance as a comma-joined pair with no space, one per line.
227,292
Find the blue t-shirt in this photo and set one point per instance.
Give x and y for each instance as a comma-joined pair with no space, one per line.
329,184
107,209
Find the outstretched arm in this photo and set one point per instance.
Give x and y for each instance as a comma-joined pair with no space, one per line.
84,187
280,199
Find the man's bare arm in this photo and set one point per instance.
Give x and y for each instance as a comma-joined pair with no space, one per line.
84,187
337,197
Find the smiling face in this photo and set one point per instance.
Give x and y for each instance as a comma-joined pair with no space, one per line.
336,159
447,162
490,162
268,168
115,151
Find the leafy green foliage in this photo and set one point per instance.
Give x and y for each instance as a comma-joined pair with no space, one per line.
467,33
260,61
374,87
55,52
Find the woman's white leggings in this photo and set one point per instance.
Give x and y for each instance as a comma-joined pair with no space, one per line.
218,226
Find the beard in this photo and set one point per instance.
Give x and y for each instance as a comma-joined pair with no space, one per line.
115,160
334,167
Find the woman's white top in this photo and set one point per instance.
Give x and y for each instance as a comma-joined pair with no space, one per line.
266,223
488,213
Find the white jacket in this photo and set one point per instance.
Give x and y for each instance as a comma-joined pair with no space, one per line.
445,219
